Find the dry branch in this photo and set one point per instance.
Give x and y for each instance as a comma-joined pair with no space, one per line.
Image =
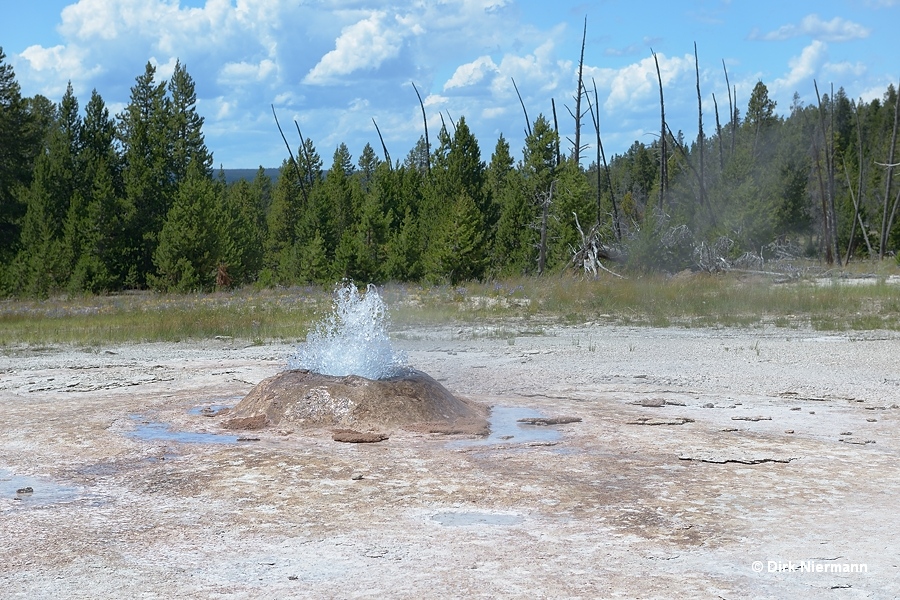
663,152
700,138
890,164
387,157
578,114
522,102
425,121
291,154
601,155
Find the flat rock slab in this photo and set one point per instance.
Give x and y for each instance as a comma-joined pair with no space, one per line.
351,436
305,399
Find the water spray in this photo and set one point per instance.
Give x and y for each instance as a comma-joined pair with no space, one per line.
353,339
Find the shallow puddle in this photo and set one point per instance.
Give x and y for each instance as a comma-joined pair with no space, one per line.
463,519
152,431
505,428
209,410
33,491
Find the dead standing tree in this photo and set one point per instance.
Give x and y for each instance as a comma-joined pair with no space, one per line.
700,137
719,135
732,100
578,115
663,151
556,129
856,197
300,179
387,157
310,176
522,102
425,121
826,183
888,216
544,200
601,155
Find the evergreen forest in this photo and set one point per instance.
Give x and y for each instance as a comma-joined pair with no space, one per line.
96,203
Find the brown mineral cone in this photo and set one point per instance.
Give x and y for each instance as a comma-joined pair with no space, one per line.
409,401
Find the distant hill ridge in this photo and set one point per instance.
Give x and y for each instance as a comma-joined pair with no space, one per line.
233,175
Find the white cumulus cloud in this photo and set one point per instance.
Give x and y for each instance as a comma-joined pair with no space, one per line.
246,72
637,84
803,67
471,73
835,30
364,45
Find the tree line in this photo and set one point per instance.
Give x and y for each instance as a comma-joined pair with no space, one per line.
91,202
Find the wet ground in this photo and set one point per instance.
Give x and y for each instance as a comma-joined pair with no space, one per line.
707,463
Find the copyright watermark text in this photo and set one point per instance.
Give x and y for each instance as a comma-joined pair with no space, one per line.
808,566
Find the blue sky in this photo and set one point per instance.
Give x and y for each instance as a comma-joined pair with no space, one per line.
334,66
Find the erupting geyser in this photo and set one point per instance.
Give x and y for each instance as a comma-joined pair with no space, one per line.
348,375
353,340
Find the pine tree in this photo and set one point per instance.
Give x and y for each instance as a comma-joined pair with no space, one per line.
148,184
522,220
342,198
368,163
99,237
36,269
282,222
501,165
572,197
188,253
19,146
103,262
241,232
402,250
186,127
515,242
457,253
45,260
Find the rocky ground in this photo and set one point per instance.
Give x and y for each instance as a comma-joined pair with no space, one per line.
707,463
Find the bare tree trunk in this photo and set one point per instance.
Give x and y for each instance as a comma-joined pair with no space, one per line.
700,140
885,221
617,229
522,102
387,157
734,121
452,122
856,217
291,154
826,230
719,134
546,199
425,122
857,198
663,151
576,152
687,160
828,199
832,189
893,211
556,129
731,102
309,174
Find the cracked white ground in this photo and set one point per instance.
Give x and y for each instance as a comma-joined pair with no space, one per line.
699,453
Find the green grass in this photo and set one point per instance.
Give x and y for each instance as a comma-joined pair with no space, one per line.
504,309
284,314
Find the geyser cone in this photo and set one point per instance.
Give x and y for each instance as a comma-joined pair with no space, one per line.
350,377
411,400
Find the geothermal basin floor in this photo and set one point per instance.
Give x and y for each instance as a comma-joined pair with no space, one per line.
707,463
